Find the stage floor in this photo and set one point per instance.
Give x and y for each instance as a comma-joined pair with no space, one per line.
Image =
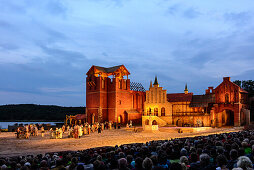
11,146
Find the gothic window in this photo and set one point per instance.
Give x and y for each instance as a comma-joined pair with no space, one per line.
120,84
155,111
163,111
150,111
155,95
103,83
125,83
226,98
159,96
151,96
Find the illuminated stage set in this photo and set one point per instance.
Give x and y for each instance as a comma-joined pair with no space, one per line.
111,96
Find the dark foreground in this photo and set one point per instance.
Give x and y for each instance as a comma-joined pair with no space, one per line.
226,150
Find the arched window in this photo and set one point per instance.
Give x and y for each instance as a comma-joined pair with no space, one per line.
154,122
226,98
120,84
163,111
155,111
125,84
150,111
147,122
103,83
151,96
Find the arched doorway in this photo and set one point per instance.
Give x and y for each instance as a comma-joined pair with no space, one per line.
227,118
72,122
146,122
92,118
120,119
154,122
179,122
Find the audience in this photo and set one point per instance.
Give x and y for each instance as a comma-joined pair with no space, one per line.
214,152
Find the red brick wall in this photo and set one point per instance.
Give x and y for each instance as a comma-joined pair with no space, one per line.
112,100
233,92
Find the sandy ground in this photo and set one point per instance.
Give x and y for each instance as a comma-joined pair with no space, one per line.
11,146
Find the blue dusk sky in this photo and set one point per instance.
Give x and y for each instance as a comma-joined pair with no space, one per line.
47,46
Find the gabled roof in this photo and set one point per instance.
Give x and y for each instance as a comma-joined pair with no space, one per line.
80,116
202,100
108,70
243,91
179,97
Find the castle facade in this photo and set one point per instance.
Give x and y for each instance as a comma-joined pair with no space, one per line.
110,96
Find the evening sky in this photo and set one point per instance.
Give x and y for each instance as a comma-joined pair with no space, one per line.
47,46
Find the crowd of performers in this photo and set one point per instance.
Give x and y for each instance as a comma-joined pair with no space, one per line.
29,130
73,131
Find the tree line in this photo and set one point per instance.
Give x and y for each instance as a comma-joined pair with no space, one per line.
247,85
37,112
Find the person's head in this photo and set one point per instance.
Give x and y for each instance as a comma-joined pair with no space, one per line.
121,155
74,160
147,164
99,157
183,152
154,159
244,144
122,163
244,162
98,165
138,163
194,157
233,154
204,159
221,160
129,159
184,159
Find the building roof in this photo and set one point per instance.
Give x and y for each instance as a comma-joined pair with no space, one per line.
107,71
80,117
243,91
179,97
202,100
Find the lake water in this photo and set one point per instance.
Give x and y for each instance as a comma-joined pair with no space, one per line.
4,125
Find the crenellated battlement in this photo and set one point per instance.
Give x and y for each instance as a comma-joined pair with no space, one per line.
111,97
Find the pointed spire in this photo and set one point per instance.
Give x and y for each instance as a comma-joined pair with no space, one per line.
186,89
155,81
151,84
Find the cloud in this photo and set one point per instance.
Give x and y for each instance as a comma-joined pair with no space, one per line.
173,9
59,90
238,19
191,13
46,47
6,46
55,7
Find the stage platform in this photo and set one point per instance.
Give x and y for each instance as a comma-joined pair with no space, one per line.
11,146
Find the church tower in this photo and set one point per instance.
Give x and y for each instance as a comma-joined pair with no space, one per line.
186,89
